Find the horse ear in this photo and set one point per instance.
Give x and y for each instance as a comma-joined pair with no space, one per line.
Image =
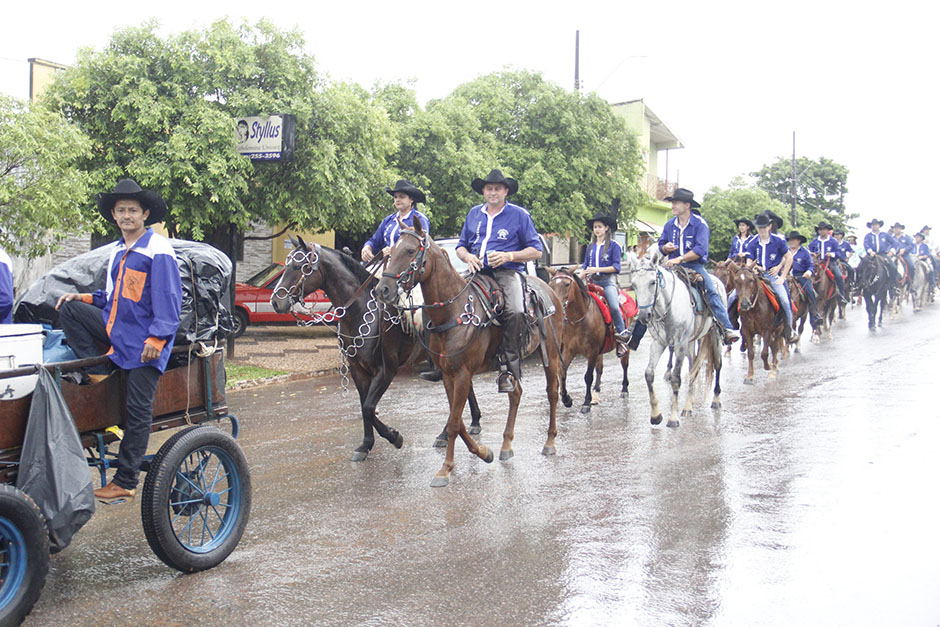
418,228
292,241
551,271
301,243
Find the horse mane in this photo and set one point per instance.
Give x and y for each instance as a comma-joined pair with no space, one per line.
568,273
350,263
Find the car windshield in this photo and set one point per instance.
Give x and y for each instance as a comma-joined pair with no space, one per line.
262,278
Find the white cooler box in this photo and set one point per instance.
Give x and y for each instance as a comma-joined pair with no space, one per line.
20,345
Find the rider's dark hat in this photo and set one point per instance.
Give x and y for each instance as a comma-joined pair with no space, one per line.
744,221
609,217
128,188
873,220
775,220
683,195
924,228
920,235
823,225
407,187
897,225
838,232
762,219
495,176
796,235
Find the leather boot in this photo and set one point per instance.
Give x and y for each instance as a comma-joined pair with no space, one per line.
513,331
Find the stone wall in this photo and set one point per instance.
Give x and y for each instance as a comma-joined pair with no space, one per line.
256,253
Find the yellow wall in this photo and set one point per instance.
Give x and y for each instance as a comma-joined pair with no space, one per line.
41,75
280,246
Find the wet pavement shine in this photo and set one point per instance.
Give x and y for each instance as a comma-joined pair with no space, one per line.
809,500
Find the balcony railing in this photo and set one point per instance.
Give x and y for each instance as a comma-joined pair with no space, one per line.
658,188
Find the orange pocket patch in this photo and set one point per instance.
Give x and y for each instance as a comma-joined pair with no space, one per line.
132,286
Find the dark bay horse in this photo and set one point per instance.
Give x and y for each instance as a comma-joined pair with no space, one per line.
584,333
465,341
800,302
873,276
758,317
827,296
374,345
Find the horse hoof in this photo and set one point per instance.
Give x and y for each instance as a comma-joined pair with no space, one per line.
439,482
672,424
504,455
567,402
474,430
440,442
487,456
748,381
398,441
716,404
548,451
585,409
624,395
686,413
359,456
655,420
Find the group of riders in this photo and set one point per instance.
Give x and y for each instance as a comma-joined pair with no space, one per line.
498,238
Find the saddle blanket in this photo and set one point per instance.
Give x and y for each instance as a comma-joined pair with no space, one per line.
628,310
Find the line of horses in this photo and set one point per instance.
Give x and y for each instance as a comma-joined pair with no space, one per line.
458,328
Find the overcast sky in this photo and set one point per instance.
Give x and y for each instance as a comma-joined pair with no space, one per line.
733,80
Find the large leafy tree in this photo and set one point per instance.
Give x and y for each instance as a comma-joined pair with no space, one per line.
721,207
570,153
820,189
41,191
162,111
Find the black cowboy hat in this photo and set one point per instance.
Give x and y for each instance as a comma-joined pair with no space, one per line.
924,228
897,225
762,219
796,235
609,218
823,225
775,220
128,188
407,187
838,232
744,221
495,176
873,220
683,195
920,235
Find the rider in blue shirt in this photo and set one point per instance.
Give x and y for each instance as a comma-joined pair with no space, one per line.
828,249
877,242
602,264
920,250
745,233
499,237
407,197
904,245
685,241
802,270
770,252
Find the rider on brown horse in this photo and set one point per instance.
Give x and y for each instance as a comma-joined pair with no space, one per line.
770,252
498,238
827,248
802,270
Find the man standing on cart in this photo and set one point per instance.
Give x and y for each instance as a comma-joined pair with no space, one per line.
137,315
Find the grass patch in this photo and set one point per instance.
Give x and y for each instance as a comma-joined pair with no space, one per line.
244,372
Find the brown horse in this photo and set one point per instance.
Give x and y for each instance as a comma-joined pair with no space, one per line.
801,309
584,333
827,296
464,341
724,272
758,317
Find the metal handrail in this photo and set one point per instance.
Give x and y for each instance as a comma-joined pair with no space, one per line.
70,365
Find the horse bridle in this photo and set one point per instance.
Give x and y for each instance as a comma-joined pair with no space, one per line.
415,267
564,305
309,262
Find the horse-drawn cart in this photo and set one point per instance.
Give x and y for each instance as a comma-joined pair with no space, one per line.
196,496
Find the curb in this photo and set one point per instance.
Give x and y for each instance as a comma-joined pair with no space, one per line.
281,378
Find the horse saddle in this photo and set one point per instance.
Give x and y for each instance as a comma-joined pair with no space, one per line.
628,310
772,296
696,284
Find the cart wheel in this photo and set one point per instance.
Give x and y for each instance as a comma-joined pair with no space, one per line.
24,554
196,499
240,319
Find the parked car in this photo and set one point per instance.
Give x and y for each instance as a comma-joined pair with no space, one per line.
253,300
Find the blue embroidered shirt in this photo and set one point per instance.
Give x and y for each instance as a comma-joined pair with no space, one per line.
694,237
389,230
510,230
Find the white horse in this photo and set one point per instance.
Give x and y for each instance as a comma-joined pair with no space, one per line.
666,308
920,283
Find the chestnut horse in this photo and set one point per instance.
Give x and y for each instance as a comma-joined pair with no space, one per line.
374,346
464,341
758,317
584,333
827,296
801,309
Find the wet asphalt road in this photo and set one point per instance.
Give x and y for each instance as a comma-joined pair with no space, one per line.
811,500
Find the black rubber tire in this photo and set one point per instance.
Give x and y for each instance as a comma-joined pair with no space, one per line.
241,322
21,519
159,514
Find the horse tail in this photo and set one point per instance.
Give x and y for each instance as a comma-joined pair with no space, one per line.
709,355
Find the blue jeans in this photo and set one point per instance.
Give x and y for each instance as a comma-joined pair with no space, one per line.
783,297
612,294
718,308
810,295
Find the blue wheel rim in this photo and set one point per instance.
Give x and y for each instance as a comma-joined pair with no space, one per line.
205,499
12,561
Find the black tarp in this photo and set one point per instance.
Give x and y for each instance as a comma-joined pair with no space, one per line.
53,470
206,278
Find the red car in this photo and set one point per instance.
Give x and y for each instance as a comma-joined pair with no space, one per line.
253,300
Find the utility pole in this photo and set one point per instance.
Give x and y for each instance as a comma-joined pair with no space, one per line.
793,184
577,78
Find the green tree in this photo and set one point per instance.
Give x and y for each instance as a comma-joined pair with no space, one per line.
721,207
571,154
41,192
163,112
820,189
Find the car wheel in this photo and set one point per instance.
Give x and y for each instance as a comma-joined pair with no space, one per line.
241,322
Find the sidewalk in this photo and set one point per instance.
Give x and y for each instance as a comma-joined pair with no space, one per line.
298,350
